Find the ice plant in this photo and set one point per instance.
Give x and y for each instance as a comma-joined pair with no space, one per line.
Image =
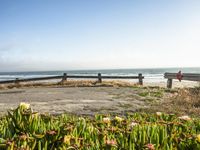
81,118
35,115
22,128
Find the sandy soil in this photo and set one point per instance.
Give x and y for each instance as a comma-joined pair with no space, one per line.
79,100
176,84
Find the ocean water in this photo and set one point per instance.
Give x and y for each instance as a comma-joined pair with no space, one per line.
151,75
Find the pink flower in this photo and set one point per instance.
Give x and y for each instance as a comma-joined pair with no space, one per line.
150,146
132,124
184,118
106,120
111,142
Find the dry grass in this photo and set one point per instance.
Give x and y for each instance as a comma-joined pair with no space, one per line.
69,83
183,102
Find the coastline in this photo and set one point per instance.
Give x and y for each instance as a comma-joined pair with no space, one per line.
93,83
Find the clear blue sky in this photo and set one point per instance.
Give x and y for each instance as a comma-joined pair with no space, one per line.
98,34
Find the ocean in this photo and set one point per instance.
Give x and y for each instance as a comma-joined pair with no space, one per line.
151,75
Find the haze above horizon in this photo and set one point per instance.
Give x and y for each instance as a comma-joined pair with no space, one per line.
44,35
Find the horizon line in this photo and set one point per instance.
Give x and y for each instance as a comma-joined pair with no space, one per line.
103,69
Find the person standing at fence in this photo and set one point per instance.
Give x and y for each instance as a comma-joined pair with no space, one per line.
179,76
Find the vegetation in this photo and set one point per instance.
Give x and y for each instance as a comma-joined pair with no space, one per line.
24,129
182,101
152,92
69,83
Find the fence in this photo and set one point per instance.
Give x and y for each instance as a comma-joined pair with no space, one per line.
65,76
180,76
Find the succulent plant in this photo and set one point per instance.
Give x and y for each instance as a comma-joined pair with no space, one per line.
24,129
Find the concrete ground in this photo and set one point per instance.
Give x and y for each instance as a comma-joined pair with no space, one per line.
78,100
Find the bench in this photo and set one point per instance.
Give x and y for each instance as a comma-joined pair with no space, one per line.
180,76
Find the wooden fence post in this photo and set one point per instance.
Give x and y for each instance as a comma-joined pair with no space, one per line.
99,77
169,83
140,79
17,81
64,77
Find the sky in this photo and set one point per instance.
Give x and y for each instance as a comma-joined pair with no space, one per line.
41,35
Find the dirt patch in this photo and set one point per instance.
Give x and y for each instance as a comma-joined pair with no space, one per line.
80,100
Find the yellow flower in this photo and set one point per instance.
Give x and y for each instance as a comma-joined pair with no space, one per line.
35,115
67,139
198,137
24,105
119,119
158,113
81,118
